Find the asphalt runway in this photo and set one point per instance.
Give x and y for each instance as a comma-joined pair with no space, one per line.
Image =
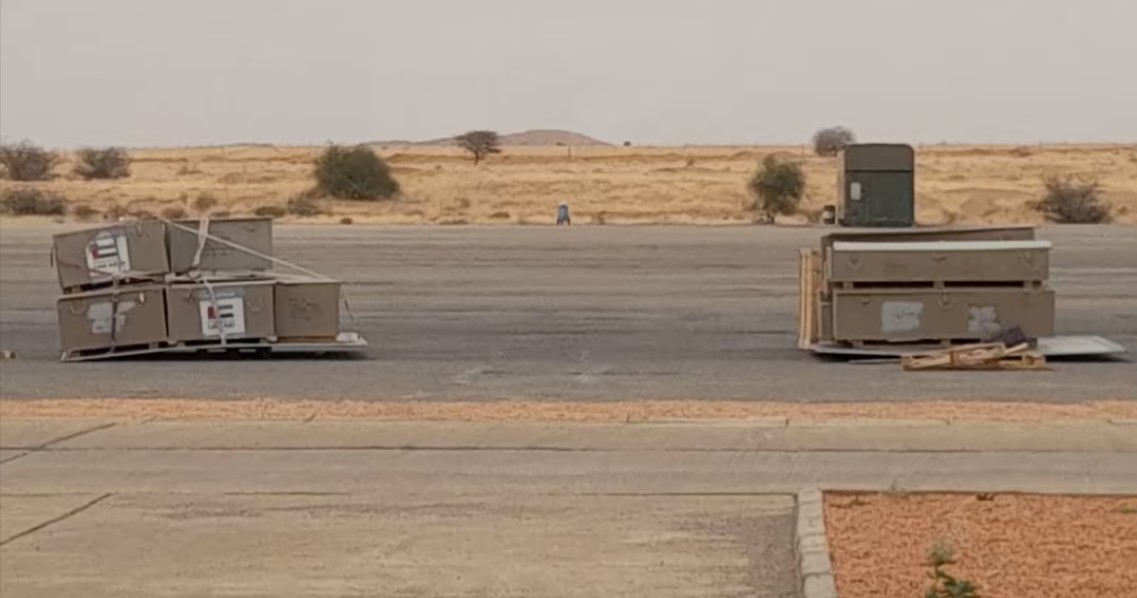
583,313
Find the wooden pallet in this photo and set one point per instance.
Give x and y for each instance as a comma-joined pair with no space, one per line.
981,356
809,298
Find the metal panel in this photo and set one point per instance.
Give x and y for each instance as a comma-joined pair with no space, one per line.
879,199
878,157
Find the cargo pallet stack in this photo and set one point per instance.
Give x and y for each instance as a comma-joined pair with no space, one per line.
943,287
145,287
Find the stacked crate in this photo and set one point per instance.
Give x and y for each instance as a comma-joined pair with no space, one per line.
945,286
150,285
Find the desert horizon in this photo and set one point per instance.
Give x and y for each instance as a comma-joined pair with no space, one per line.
603,183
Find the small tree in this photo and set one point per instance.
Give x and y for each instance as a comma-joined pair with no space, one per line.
777,187
1073,202
354,173
479,143
827,142
103,163
25,161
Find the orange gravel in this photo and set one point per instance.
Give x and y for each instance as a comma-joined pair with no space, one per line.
1010,546
638,411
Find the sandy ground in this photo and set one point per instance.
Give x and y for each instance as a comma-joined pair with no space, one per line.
583,314
1010,546
964,184
591,412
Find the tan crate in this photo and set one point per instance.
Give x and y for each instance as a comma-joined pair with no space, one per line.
243,309
113,317
904,315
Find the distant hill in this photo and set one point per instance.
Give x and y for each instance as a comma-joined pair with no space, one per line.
542,137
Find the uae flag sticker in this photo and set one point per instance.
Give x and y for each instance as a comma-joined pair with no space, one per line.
225,314
108,254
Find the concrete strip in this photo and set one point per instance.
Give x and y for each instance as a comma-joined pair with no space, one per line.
435,544
21,513
899,436
480,472
811,547
35,433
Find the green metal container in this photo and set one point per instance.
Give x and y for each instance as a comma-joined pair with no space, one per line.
876,185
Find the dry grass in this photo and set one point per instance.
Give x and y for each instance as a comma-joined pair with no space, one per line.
706,185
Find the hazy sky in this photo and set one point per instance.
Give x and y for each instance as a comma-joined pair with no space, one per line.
178,72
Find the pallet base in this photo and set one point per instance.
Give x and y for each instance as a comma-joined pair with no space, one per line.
346,342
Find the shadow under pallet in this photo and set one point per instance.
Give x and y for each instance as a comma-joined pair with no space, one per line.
346,343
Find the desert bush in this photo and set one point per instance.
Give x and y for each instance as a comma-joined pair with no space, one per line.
270,211
204,202
945,585
304,205
115,212
141,215
29,201
354,173
346,220
174,213
84,212
829,141
1068,201
627,144
777,187
102,163
480,144
25,161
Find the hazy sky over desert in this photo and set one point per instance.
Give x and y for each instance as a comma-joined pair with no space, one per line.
165,72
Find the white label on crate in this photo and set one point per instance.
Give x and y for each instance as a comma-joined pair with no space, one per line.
107,253
983,320
900,316
226,314
105,318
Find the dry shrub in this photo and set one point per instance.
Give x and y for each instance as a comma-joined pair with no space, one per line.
84,212
188,169
777,187
1022,151
270,212
103,163
1068,201
501,216
142,215
25,161
354,173
204,202
174,213
115,212
29,201
346,220
304,206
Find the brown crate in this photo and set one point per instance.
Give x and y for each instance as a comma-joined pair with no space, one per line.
95,256
903,315
307,308
245,309
939,261
254,233
113,317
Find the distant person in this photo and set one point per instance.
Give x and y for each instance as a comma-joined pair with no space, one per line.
563,217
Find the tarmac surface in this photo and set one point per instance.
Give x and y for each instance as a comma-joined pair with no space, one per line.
583,313
414,509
